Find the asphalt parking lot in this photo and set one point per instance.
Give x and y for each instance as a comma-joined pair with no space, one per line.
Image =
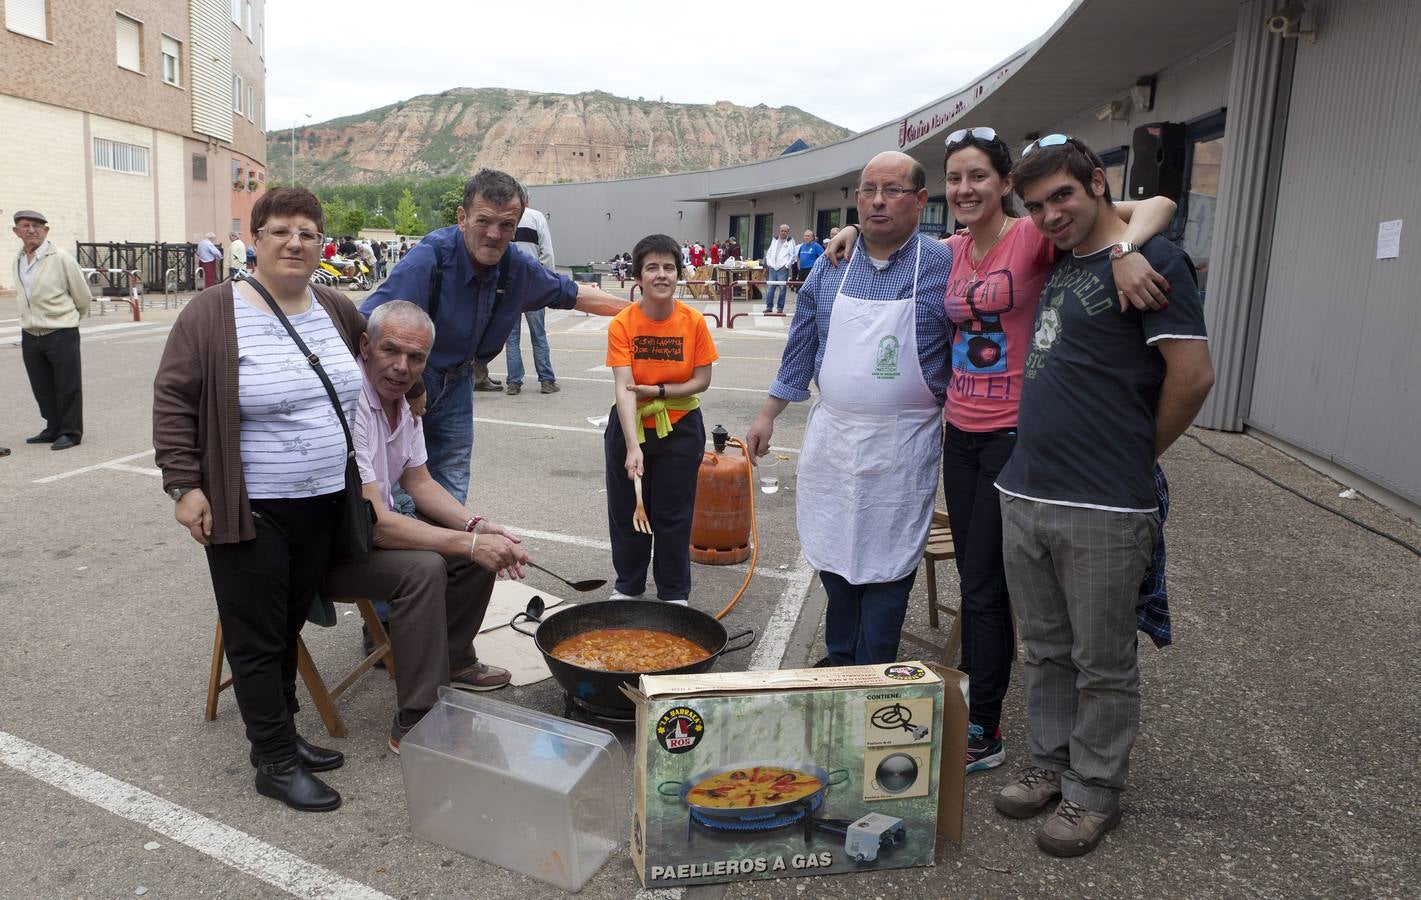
1277,756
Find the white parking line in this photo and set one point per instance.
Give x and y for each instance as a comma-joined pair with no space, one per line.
599,544
772,642
112,463
785,450
223,843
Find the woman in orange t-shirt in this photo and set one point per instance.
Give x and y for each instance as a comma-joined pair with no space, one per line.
660,352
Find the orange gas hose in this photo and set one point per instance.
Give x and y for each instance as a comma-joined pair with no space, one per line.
754,529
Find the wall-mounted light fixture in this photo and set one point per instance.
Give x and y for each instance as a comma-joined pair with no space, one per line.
680,214
753,201
1142,95
609,217
1113,111
844,192
798,199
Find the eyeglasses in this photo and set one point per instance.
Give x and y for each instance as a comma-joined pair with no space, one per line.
889,193
1050,140
982,133
282,234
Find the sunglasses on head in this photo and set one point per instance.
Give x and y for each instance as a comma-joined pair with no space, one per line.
1050,140
962,135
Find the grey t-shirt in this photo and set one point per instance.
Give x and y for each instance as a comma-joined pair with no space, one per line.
1091,384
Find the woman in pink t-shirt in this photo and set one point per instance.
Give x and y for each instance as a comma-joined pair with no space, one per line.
999,266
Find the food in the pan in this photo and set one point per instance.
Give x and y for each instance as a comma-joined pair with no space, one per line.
629,650
757,786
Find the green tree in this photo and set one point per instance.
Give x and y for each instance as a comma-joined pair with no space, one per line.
380,220
449,203
354,221
407,215
335,210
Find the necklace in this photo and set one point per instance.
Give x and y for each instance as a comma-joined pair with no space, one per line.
977,259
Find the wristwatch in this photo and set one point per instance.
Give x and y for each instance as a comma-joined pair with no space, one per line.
1124,248
177,492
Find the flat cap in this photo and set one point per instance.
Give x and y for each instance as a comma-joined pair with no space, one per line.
30,214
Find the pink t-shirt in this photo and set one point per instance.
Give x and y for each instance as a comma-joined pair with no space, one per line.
993,305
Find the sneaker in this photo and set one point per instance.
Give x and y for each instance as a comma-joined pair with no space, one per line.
1074,830
618,595
480,677
769,311
398,732
682,602
488,384
984,751
550,387
1030,794
513,390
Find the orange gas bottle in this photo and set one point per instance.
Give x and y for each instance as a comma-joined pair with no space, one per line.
720,528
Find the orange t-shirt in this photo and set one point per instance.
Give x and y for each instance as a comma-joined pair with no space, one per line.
665,352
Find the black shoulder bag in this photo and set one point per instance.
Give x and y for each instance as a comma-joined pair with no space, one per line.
355,519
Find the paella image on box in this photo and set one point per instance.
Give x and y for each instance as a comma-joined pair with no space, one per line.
771,775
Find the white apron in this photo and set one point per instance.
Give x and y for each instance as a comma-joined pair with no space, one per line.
868,470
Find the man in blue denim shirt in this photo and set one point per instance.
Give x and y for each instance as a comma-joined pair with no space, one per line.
475,287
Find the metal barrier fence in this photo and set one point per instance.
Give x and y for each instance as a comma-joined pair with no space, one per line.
113,260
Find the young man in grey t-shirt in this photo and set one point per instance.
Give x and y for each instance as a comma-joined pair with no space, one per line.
1104,394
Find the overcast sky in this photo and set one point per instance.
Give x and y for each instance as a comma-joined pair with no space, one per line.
826,58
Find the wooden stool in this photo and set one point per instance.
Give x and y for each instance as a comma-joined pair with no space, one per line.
940,547
323,697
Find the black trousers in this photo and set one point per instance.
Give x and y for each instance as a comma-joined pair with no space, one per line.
971,462
671,465
264,588
52,362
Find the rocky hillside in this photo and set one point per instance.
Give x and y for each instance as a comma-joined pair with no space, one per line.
540,138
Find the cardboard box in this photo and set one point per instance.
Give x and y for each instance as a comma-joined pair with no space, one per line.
744,775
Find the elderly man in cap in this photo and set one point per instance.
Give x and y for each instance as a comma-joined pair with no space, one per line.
52,297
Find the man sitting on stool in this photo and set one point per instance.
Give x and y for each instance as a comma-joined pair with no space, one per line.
436,571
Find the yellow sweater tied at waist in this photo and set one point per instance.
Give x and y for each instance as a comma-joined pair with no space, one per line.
658,409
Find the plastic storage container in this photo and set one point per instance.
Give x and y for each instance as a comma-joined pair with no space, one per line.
523,790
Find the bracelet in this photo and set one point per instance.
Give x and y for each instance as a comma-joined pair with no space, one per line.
662,394
473,523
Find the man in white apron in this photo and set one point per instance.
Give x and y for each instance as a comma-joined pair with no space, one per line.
874,336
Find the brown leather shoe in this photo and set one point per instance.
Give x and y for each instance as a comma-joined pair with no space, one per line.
1073,830
513,390
550,387
480,677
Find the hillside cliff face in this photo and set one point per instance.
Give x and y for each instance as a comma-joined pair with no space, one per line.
540,138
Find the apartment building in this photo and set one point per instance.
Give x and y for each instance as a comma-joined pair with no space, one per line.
143,120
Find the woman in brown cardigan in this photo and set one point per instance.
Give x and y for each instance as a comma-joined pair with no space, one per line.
253,455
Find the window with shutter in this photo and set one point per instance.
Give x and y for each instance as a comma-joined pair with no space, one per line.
172,61
28,17
130,42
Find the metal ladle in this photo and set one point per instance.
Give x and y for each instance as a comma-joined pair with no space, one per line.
583,586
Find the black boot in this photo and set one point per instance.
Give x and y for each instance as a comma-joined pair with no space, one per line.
289,781
315,759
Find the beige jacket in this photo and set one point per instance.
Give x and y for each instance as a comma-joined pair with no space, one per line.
60,295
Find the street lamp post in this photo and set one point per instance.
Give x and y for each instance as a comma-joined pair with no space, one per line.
293,148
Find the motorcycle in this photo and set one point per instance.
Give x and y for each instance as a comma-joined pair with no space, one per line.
338,271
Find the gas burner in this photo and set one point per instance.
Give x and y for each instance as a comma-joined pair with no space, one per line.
599,715
751,823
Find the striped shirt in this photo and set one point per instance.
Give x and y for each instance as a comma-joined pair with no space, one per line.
809,332
292,442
